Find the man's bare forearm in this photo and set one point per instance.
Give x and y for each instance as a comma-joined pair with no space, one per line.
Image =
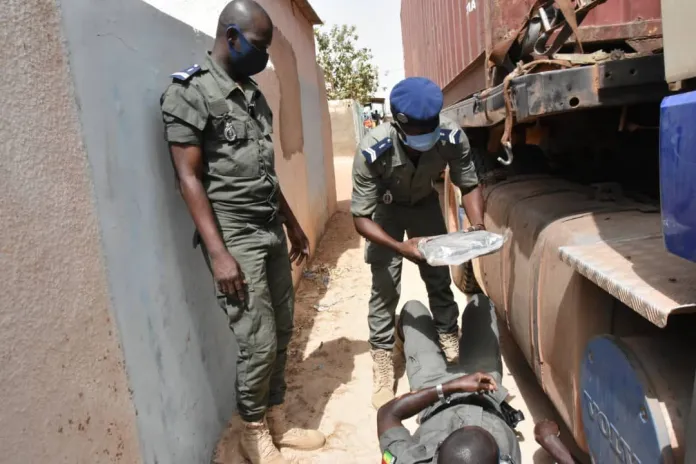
399,409
196,199
474,205
373,232
547,434
557,450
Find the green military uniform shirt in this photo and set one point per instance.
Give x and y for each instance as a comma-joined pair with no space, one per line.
232,123
382,165
398,444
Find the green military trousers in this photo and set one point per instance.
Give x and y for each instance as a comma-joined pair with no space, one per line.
264,324
421,220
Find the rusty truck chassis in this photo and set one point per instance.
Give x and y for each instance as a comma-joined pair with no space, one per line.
609,83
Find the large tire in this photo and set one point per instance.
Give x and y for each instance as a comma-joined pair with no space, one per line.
462,275
468,283
489,172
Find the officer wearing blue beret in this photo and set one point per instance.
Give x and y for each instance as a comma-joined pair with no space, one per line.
394,170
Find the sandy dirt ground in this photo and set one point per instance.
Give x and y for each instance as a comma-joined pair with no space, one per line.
330,369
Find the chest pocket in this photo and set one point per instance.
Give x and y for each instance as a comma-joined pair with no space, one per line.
236,149
231,146
264,116
397,179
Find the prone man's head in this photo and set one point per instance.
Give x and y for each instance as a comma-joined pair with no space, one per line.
469,445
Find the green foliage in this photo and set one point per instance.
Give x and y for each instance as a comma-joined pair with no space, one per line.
348,70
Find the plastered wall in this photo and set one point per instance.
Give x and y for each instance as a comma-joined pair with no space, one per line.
346,125
113,347
63,388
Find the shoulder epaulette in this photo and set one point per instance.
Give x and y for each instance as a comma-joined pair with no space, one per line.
375,151
186,74
452,136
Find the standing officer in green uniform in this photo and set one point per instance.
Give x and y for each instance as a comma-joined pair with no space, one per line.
219,126
394,171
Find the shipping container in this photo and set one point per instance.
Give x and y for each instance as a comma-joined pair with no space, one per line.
583,149
453,53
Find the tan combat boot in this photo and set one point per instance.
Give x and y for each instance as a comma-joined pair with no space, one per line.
450,345
257,445
398,356
287,436
382,377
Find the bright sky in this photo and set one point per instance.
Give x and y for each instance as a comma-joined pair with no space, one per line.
378,25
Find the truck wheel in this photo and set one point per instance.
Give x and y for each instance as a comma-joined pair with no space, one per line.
469,284
455,219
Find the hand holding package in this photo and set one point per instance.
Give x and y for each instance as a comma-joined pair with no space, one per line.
459,247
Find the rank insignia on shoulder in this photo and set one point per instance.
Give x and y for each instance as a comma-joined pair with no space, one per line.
186,74
451,136
375,151
388,458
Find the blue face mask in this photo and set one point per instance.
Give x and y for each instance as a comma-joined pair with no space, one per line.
248,60
423,142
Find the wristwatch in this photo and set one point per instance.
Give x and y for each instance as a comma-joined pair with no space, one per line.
475,228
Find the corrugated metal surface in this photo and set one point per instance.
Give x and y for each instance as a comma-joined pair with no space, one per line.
442,38
640,273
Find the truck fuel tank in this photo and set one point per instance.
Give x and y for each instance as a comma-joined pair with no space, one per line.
636,394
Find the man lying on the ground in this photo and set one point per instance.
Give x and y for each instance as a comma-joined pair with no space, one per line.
458,421
462,411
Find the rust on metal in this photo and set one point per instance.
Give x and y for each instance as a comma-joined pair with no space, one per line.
469,81
509,108
641,273
649,45
651,28
444,40
441,37
552,308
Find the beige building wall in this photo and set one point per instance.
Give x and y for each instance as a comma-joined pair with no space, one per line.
113,348
346,126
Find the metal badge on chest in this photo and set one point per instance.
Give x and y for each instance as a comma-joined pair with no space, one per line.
387,198
230,134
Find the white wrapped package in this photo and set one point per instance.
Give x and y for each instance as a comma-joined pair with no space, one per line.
459,247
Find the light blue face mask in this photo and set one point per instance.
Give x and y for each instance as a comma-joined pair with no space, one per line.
423,142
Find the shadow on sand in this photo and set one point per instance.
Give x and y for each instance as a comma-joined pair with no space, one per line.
312,378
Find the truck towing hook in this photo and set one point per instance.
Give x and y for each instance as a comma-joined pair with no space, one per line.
508,152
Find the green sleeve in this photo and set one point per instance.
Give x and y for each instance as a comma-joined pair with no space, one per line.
398,443
365,187
185,114
461,165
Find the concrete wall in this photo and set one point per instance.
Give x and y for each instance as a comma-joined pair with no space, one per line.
63,389
96,246
327,137
346,126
